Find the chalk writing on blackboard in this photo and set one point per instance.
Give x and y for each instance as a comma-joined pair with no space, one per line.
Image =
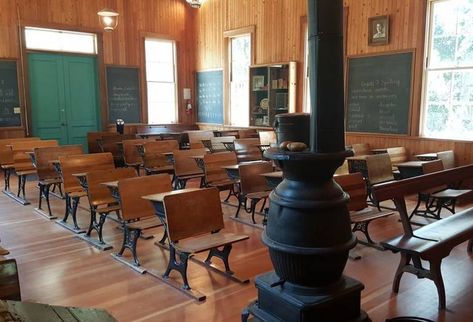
123,94
9,98
210,97
379,90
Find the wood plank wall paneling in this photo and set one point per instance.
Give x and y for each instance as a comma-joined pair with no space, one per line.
279,38
171,18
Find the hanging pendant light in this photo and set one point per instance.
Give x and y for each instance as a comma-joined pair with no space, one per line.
108,19
195,3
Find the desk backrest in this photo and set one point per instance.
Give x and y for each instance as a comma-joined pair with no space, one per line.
131,190
92,138
161,146
21,158
361,149
44,155
193,213
267,137
247,134
6,153
343,169
130,153
448,159
247,149
198,136
398,154
213,163
96,191
82,163
355,186
251,179
379,168
184,164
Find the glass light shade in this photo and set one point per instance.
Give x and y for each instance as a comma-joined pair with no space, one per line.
108,19
195,3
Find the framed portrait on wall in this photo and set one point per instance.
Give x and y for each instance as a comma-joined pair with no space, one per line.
378,30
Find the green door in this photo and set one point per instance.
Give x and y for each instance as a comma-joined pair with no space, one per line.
64,97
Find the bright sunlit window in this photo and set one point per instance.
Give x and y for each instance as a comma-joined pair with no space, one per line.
448,77
160,55
240,60
306,94
60,40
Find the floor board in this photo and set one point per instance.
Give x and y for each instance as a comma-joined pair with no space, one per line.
58,269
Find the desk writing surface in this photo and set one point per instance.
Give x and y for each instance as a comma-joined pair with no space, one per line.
111,184
411,164
159,197
276,174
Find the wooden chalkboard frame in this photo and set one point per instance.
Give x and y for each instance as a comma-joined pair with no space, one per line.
411,92
20,95
139,91
196,91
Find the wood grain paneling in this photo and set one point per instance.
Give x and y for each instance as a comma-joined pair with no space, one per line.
172,19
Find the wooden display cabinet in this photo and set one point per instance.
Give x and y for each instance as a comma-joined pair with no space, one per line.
272,92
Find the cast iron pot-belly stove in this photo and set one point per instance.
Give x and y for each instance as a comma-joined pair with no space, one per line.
308,231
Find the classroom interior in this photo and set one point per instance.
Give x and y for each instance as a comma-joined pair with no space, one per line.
201,73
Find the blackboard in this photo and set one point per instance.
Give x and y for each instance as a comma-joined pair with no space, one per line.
9,94
379,93
210,96
123,94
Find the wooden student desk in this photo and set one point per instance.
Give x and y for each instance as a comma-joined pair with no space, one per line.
427,156
410,168
233,171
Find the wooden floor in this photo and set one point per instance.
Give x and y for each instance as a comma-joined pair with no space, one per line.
58,269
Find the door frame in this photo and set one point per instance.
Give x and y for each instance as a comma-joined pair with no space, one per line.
25,83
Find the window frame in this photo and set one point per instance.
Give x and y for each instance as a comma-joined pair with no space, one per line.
175,73
426,70
228,35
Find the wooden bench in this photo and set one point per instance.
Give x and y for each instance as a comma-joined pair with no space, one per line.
47,176
433,242
6,158
361,214
72,188
194,221
102,202
23,165
137,213
436,198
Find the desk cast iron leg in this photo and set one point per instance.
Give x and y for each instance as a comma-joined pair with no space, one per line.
130,239
75,204
436,275
405,259
180,266
223,255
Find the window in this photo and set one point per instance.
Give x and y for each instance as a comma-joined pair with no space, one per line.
160,56
448,77
240,61
60,40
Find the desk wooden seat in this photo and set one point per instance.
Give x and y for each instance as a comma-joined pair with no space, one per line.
154,161
47,176
433,242
194,221
70,165
185,168
23,165
215,174
361,214
135,210
102,202
253,187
